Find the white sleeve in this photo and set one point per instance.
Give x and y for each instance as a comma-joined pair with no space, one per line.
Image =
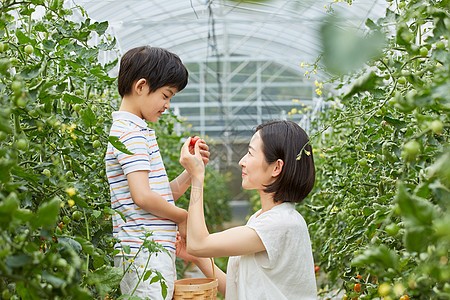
272,233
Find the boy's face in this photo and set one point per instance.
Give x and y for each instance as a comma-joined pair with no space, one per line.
155,103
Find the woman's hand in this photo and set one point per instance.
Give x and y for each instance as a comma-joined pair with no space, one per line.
192,160
204,149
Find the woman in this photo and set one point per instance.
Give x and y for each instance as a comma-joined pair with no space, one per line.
270,257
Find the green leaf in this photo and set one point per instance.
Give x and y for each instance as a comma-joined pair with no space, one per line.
47,213
88,117
105,279
415,211
147,275
70,98
126,249
154,279
366,82
70,243
86,245
55,281
101,27
17,260
119,145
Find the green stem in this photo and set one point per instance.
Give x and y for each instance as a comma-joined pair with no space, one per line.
17,124
88,238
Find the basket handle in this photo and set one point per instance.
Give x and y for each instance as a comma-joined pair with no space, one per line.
213,269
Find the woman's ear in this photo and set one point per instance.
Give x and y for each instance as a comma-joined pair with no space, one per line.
140,85
278,167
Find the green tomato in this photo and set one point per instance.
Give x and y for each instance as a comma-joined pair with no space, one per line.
362,162
58,231
3,136
29,49
22,144
6,294
392,229
412,148
407,36
47,173
437,126
66,220
401,5
4,66
21,102
440,45
14,61
423,51
401,80
16,86
77,107
96,144
77,215
2,47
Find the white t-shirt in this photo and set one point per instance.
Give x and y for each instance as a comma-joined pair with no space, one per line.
285,270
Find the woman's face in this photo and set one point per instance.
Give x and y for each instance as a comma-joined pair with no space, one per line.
256,172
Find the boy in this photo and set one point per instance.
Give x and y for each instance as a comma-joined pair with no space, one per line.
148,78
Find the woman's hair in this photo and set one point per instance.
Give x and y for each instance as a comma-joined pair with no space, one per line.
158,66
284,140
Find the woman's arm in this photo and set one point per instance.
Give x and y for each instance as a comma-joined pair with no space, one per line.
180,184
204,264
232,242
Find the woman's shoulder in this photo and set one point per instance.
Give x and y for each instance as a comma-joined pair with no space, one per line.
283,214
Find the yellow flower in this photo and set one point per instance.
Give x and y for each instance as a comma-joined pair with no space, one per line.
295,100
316,82
294,111
73,135
71,191
71,202
324,6
318,91
306,73
302,64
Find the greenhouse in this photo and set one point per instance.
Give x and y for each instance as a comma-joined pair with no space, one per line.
346,194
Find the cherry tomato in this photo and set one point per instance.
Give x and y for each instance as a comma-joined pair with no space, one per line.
357,287
194,140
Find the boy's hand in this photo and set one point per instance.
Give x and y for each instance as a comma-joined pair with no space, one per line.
204,148
181,251
192,160
182,230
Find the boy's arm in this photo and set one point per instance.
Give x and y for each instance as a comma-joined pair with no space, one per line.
180,184
151,201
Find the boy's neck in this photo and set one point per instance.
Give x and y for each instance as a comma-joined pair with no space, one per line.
127,105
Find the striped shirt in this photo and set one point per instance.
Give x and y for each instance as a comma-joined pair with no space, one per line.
133,132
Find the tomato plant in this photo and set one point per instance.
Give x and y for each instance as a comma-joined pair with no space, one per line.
380,205
55,215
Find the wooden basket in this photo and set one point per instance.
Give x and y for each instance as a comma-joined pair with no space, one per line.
196,288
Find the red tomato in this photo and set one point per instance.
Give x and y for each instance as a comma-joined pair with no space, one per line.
194,140
358,287
404,297
316,269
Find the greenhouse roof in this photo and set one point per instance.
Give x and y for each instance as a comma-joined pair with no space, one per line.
285,31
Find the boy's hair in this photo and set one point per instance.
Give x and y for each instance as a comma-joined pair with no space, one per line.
284,140
158,66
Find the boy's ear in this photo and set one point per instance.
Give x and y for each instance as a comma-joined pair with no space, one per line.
140,85
278,167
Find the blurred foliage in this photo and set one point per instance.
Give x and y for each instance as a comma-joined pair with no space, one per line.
378,217
55,218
